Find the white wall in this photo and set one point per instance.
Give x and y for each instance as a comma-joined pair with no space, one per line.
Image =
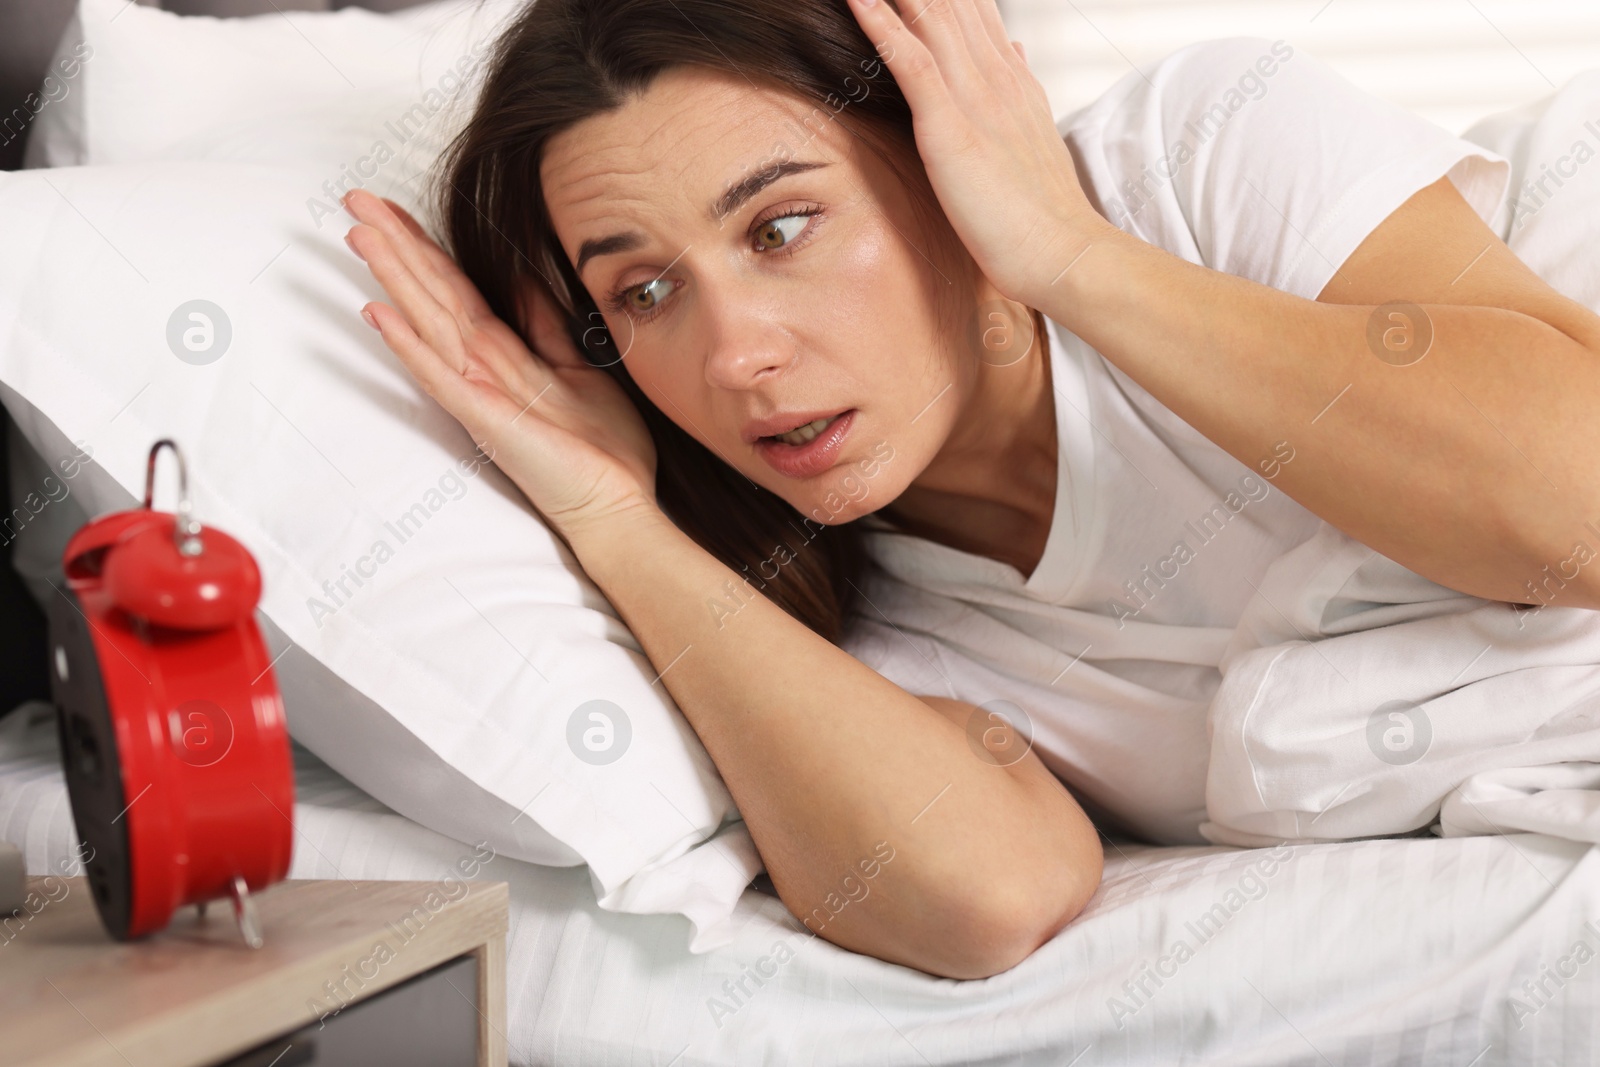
1451,61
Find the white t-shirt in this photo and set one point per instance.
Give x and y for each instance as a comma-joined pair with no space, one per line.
1251,158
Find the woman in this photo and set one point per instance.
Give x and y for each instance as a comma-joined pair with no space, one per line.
832,352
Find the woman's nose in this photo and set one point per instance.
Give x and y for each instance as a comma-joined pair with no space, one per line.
747,345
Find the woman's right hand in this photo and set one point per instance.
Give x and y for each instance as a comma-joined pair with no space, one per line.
562,430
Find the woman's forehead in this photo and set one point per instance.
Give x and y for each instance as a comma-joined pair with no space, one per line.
689,137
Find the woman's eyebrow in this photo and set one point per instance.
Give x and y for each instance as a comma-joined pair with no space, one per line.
605,246
744,189
726,204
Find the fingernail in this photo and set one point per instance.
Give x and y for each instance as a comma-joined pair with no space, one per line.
352,246
372,320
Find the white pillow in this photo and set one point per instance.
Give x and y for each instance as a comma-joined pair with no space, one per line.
475,640
364,98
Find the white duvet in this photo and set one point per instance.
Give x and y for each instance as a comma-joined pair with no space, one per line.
1471,952
1413,704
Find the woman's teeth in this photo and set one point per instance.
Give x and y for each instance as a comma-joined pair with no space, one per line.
805,433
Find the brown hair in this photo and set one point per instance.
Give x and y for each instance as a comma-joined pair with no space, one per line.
562,61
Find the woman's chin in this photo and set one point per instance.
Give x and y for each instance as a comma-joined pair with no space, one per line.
833,509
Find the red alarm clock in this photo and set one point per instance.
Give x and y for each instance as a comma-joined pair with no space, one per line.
172,731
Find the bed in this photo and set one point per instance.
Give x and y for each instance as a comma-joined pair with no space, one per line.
1461,951
1468,951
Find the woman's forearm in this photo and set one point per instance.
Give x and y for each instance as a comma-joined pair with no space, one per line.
1472,466
833,767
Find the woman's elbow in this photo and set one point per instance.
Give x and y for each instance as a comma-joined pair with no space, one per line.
1016,924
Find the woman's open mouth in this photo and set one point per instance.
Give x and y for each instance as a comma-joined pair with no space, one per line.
809,449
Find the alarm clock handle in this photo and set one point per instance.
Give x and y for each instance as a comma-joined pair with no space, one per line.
186,533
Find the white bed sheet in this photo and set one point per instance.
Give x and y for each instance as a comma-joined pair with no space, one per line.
1400,950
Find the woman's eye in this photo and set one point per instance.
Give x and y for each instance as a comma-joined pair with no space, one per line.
644,298
642,301
780,231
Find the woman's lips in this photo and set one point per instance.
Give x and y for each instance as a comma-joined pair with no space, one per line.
811,458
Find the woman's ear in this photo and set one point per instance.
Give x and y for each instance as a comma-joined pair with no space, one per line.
524,299
543,324
549,269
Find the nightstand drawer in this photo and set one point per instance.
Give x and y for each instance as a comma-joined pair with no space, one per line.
427,1021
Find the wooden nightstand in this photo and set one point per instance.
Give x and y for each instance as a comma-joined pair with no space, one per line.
351,973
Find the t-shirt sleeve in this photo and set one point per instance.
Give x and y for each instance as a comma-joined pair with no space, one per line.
1256,159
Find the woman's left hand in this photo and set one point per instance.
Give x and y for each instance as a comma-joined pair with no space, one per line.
994,157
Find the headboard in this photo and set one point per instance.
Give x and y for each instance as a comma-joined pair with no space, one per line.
30,29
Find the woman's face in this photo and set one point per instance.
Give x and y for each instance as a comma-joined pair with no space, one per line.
744,306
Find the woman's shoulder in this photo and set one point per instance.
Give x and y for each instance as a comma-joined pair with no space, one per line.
1221,78
1255,158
